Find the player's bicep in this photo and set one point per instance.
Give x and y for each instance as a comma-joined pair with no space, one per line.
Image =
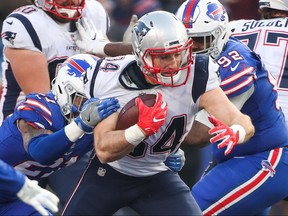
216,103
28,132
30,69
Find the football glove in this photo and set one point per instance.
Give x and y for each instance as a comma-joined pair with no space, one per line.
128,33
95,110
176,161
32,194
91,40
152,118
227,136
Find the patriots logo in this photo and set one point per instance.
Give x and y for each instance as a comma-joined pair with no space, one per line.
216,12
266,165
9,36
77,67
141,30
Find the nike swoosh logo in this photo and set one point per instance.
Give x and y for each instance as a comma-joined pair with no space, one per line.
10,23
88,119
234,68
94,38
158,120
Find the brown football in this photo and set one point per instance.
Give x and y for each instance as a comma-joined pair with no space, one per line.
128,115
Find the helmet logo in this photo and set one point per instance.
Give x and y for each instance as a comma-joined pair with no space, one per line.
216,12
141,30
77,67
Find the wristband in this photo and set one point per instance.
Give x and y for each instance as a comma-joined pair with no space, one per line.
134,135
242,132
73,132
100,48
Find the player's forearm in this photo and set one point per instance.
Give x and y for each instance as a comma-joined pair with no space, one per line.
246,123
118,48
111,146
46,148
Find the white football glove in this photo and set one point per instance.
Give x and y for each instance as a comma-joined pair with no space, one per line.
91,40
32,194
128,33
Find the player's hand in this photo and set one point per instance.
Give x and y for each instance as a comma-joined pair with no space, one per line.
95,110
152,118
91,40
40,198
224,134
128,33
176,160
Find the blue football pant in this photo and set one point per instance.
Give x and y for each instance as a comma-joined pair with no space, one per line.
244,185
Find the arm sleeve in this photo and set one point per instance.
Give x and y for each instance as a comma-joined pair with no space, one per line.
46,148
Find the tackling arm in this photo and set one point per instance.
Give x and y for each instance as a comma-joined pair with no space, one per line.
198,134
231,126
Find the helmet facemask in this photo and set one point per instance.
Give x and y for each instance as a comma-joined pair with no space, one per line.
70,109
168,77
70,11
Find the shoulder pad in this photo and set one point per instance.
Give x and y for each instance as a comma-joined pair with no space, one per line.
37,110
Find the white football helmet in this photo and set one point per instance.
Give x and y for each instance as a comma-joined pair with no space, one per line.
162,33
68,85
206,19
275,4
71,11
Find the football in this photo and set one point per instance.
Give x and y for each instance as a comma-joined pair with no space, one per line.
128,115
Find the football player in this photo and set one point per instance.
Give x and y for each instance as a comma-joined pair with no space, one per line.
48,132
40,36
128,168
239,182
14,185
37,38
268,37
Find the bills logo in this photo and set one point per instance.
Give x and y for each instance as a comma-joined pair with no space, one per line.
266,165
216,12
9,36
77,67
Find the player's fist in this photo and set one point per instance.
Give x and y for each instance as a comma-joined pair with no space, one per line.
152,118
95,110
224,134
176,160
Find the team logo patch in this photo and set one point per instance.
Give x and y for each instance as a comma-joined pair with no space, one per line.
77,67
141,30
266,165
9,36
101,171
216,12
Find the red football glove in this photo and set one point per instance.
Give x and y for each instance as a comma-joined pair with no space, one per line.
152,118
225,133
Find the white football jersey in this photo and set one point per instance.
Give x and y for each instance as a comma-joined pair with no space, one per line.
31,28
111,78
269,39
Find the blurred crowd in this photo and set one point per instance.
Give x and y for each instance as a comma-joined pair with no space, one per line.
120,11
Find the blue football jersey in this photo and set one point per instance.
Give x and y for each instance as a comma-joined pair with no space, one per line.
240,69
40,111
